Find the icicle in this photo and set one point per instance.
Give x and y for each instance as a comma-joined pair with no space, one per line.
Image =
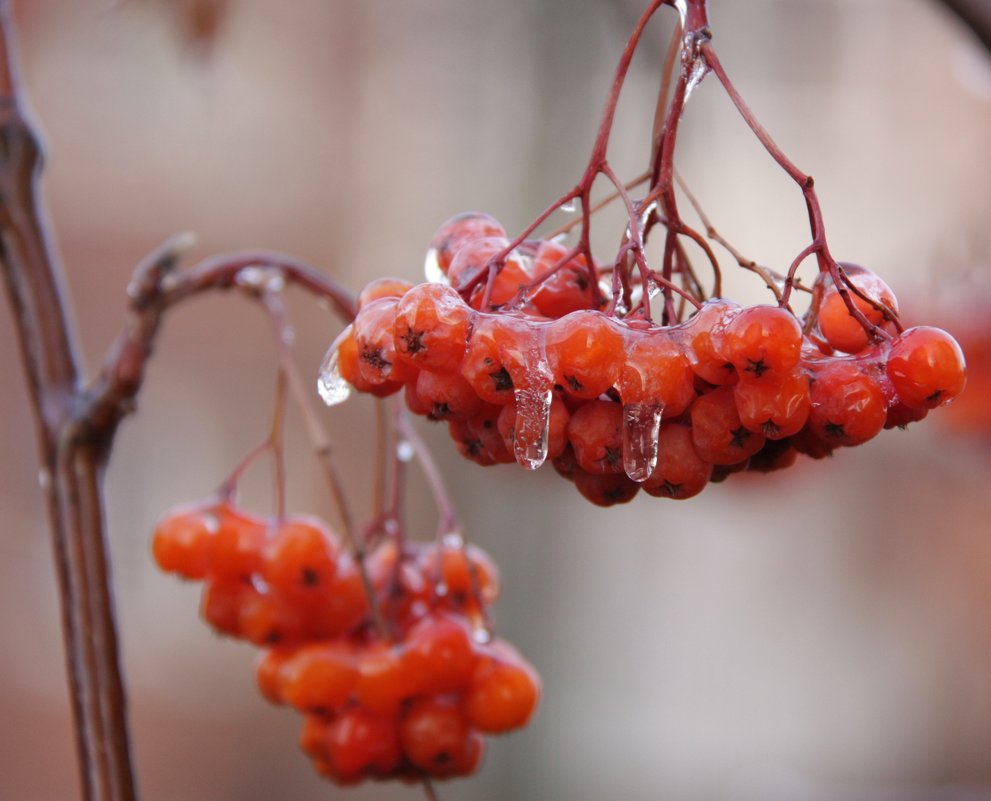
641,426
533,404
533,419
331,385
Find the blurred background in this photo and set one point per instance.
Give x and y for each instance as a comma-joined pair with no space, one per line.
824,633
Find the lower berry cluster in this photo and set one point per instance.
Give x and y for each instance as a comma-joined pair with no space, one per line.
397,679
620,404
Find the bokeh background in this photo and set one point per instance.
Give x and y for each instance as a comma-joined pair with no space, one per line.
820,634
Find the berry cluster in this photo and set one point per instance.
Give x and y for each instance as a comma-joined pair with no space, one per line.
404,685
522,362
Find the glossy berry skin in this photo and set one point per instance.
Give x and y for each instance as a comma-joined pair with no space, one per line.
705,333
926,368
447,396
238,545
183,540
439,655
503,692
498,353
848,406
840,328
717,431
362,745
434,734
557,433
318,677
431,328
763,340
457,231
605,489
585,350
478,438
571,288
596,435
776,406
680,472
374,335
348,365
656,370
300,560
383,288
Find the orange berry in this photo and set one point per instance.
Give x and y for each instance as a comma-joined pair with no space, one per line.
383,288
455,232
439,655
433,733
301,559
848,406
841,329
431,327
503,693
183,540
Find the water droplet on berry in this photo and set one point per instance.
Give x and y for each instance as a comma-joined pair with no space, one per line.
641,427
453,539
331,385
481,635
405,450
431,268
440,589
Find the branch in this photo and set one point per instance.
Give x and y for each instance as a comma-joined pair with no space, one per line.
73,474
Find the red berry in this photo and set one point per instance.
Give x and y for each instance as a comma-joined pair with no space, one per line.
605,489
585,351
841,330
763,339
447,395
431,327
706,333
596,435
458,230
383,288
319,677
439,656
374,335
776,406
848,406
361,745
434,734
656,370
680,472
571,288
926,368
717,431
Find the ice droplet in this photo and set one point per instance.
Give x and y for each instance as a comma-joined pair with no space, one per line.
431,268
440,589
699,71
682,8
261,279
405,451
641,426
331,385
570,206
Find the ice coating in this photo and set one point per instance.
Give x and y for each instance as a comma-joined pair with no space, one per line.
641,428
331,385
431,268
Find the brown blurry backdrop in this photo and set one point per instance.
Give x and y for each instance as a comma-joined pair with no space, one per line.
822,634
